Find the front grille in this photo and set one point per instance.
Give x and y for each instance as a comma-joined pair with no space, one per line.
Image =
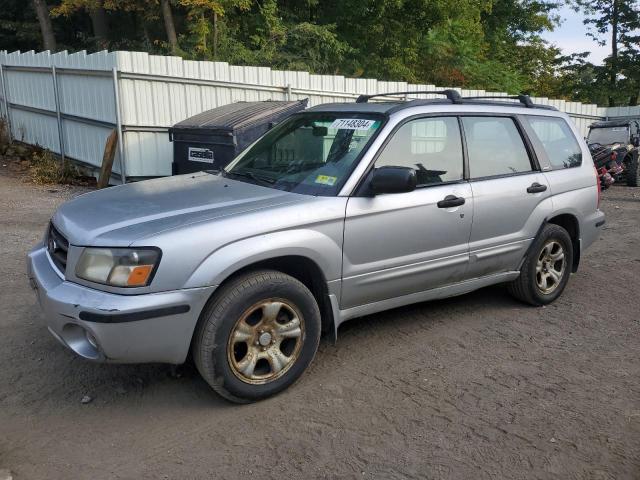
57,246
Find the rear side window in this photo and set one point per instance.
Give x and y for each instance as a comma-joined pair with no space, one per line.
494,147
431,146
558,141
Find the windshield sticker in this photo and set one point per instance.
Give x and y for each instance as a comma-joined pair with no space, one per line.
352,124
326,180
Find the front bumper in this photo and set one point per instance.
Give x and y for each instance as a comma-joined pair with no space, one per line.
106,327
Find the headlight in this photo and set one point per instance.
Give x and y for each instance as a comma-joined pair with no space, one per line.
119,267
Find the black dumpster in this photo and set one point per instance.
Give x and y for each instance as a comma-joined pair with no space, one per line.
211,139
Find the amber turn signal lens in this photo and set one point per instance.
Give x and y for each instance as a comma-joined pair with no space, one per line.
139,275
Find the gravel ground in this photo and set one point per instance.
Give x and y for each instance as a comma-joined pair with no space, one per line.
477,386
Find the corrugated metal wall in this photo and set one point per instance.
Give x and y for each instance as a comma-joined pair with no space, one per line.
156,92
61,97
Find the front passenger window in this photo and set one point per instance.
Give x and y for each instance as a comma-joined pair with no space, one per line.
431,146
494,147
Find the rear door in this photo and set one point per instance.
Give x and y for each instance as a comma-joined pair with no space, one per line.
511,195
403,243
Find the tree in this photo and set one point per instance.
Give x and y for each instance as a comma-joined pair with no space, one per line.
96,11
204,17
46,28
99,22
478,44
630,67
169,25
512,30
621,20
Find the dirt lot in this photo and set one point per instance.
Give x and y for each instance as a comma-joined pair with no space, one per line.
473,387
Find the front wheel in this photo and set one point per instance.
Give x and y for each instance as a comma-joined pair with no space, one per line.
257,336
546,269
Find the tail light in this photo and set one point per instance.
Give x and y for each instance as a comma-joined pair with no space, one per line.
599,186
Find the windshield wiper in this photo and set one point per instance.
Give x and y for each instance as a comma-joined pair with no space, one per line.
252,176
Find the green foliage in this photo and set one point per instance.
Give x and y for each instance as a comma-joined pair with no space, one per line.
18,27
312,47
619,20
478,44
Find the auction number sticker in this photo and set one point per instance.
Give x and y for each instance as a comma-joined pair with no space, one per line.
200,155
352,124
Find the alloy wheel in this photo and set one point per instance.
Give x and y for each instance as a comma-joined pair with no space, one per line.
266,341
550,267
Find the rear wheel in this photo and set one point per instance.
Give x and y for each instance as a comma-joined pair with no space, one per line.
633,171
257,336
546,269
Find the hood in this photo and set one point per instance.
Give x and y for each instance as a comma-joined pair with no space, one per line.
118,216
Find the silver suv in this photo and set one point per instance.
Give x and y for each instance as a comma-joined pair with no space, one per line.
340,211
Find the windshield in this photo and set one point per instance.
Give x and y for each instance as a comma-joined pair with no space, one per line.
607,136
309,153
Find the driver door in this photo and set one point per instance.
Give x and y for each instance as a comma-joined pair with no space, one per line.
404,243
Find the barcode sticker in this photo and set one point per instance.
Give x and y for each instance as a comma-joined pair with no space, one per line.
352,124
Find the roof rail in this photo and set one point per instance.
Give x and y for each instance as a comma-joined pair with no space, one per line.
452,95
523,99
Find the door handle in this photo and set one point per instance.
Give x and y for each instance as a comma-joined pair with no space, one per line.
450,201
536,188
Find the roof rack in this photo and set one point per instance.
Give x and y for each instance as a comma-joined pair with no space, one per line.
523,99
452,95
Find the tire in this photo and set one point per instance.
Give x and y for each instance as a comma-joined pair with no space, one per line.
633,171
527,287
248,344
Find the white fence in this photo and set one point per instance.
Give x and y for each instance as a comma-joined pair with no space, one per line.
70,103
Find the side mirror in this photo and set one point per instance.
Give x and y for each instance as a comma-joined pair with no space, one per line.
635,140
393,180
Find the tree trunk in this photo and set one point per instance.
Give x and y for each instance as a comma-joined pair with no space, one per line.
42,12
100,25
169,26
146,34
613,75
204,37
215,35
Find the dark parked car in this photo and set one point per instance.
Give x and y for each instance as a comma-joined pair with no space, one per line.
614,148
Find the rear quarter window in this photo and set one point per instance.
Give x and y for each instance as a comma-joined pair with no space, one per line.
557,140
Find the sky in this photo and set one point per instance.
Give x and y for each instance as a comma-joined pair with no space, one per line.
571,36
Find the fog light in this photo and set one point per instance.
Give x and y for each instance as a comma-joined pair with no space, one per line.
91,339
81,341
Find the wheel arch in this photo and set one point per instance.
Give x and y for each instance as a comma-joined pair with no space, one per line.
312,256
571,224
306,271
302,268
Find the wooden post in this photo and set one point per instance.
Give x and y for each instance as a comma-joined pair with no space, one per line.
107,159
